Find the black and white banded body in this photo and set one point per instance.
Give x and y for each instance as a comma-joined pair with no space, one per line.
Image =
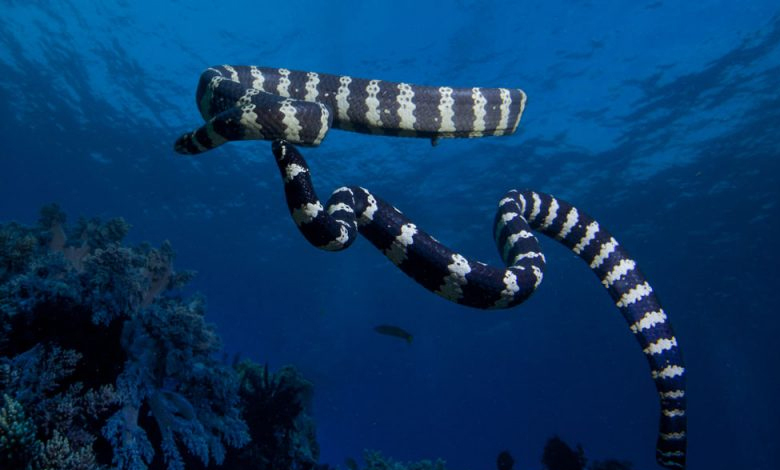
351,210
251,102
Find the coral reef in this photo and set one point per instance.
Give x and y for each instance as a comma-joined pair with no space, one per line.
275,407
104,364
17,435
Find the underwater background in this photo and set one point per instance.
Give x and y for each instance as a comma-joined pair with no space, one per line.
661,119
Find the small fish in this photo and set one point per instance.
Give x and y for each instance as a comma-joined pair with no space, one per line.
396,331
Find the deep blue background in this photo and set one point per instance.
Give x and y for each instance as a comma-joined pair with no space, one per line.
659,118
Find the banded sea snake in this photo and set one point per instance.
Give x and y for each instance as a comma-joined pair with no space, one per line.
293,107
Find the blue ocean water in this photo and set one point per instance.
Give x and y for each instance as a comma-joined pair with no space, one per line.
661,119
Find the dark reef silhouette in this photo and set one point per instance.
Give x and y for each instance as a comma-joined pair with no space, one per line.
558,455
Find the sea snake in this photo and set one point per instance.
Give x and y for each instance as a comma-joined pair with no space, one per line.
291,107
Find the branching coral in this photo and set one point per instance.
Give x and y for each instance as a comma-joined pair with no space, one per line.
20,448
171,371
58,453
17,436
274,405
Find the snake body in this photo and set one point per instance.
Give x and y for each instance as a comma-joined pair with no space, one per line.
240,102
352,210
